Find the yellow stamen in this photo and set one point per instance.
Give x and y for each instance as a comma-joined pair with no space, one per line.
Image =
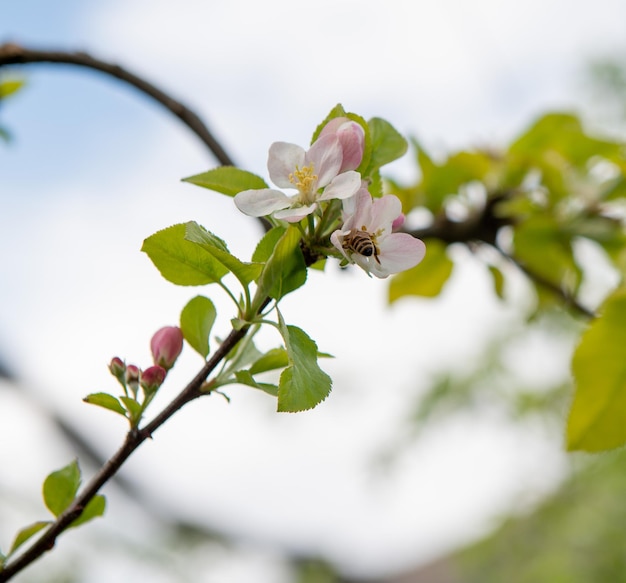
305,181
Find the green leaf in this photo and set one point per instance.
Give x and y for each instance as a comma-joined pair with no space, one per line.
266,245
545,248
228,180
60,487
245,378
106,401
95,507
562,134
303,384
271,360
596,419
134,409
285,270
387,144
498,281
180,261
26,533
10,86
244,272
337,111
196,320
426,279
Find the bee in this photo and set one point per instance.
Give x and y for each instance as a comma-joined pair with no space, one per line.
361,242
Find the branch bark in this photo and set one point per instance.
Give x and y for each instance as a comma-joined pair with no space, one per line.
13,54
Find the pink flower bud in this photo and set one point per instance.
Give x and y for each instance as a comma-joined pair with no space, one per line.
398,222
152,378
166,346
352,139
117,368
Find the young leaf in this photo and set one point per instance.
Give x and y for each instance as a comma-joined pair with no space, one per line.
227,180
266,245
106,401
10,86
181,261
303,384
244,272
498,280
428,280
285,270
387,144
134,409
25,533
245,378
337,111
95,507
271,360
196,320
60,487
596,419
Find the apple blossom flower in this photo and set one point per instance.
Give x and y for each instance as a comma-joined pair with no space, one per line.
315,174
367,238
166,345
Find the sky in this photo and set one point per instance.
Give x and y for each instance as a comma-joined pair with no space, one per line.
94,168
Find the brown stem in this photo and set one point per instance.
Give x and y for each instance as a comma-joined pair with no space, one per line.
134,439
13,54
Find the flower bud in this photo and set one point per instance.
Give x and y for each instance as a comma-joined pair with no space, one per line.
352,139
118,368
132,377
166,346
152,378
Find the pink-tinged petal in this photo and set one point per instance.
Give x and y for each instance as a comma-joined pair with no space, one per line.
333,125
343,186
385,211
293,215
326,156
357,210
352,139
399,252
282,161
337,240
261,202
398,222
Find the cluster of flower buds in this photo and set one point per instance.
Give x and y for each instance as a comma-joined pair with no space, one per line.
166,345
327,171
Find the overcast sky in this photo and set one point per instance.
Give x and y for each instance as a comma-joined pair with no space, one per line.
94,168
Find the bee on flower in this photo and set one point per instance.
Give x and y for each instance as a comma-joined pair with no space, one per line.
367,235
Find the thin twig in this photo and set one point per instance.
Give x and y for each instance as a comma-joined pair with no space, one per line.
134,439
13,54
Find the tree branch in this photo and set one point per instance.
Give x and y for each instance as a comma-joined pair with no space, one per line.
134,438
13,54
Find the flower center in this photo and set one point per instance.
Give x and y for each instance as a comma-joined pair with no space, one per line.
305,181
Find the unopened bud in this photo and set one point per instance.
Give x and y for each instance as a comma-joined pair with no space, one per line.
118,369
132,377
166,346
152,378
351,136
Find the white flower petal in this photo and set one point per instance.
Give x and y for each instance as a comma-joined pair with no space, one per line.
295,214
343,186
282,161
261,202
385,211
337,240
326,155
399,252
